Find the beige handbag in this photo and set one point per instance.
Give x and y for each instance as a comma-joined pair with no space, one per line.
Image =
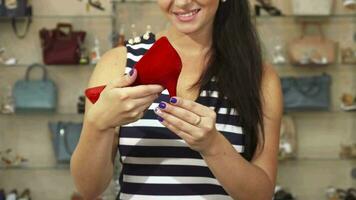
288,139
312,7
312,50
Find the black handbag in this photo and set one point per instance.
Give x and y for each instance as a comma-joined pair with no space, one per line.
306,93
17,10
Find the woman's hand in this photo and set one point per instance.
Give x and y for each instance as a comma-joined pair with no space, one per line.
120,104
193,122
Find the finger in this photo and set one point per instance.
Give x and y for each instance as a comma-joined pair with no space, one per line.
176,122
185,136
123,81
142,90
191,105
181,113
144,100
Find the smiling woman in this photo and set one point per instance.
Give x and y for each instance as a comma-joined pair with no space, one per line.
217,139
188,17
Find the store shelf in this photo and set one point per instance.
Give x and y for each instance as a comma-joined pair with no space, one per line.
333,65
287,161
291,160
82,17
337,16
331,68
316,112
18,118
282,67
34,114
54,167
47,66
133,1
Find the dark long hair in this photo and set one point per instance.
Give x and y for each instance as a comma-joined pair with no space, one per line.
236,62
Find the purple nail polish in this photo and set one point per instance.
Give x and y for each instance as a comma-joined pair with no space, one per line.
160,119
131,72
162,105
173,100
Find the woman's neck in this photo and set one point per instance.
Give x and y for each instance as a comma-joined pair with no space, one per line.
193,44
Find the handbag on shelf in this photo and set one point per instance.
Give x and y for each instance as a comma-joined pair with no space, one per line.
61,47
306,93
17,8
312,50
2,8
14,9
351,4
65,137
35,95
312,8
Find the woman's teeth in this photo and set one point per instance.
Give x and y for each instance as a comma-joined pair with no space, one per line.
188,14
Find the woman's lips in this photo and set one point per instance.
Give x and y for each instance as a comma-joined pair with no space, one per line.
186,16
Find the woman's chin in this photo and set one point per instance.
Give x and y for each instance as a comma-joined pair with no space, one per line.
186,28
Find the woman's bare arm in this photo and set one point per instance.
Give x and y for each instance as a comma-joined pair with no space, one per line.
92,160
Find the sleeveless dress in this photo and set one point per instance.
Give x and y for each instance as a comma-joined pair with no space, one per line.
156,163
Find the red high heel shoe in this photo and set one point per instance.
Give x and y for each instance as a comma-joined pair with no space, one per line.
160,65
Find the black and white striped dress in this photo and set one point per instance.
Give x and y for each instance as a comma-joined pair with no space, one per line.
156,163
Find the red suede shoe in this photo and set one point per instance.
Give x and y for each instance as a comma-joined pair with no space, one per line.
160,65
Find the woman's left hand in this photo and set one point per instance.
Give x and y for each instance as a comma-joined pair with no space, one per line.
191,121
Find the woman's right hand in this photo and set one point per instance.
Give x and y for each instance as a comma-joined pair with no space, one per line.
120,104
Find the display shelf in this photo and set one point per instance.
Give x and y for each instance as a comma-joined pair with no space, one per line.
54,167
317,112
288,66
311,159
292,171
133,1
337,16
60,17
333,65
48,66
337,67
286,161
34,114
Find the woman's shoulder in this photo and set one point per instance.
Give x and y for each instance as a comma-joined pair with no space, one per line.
271,89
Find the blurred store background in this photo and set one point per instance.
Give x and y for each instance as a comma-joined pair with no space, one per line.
312,44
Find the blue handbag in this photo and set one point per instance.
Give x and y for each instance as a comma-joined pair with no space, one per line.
35,95
306,93
2,8
65,137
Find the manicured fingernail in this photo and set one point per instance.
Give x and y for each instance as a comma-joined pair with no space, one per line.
162,105
160,119
173,100
131,72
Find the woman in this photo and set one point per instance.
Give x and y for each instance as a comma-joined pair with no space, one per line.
198,145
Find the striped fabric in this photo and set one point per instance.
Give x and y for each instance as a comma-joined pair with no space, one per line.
156,163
